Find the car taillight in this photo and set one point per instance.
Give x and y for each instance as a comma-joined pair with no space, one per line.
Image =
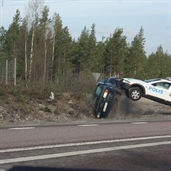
105,93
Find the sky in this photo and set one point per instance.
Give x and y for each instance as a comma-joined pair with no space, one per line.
130,15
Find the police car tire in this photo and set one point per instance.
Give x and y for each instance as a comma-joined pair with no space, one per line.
135,93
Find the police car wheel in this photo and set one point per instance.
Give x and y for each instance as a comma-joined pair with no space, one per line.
135,93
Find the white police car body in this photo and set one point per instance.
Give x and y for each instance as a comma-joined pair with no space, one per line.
156,89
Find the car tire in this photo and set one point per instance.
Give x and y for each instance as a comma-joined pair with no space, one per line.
135,93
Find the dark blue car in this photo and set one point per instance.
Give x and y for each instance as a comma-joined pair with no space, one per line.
105,96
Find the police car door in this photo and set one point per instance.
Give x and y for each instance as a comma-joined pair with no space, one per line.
168,91
159,90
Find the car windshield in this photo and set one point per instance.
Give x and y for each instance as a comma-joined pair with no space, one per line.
152,80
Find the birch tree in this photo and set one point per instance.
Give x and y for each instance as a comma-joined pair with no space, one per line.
44,22
25,34
56,31
35,8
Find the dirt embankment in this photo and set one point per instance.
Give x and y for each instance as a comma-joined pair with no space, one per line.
69,107
66,107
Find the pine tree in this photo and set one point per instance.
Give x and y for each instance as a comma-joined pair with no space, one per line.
12,36
83,51
136,60
65,48
98,63
92,57
115,52
158,63
2,41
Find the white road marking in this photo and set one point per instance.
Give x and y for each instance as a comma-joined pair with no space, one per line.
139,123
89,125
21,128
82,152
83,143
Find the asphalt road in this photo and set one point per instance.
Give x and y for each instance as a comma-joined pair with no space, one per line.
134,145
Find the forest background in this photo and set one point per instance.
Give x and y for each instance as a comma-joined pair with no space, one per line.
49,59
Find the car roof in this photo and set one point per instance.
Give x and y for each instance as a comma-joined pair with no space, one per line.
156,80
168,78
110,80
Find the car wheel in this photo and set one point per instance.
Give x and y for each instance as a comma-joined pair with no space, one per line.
135,93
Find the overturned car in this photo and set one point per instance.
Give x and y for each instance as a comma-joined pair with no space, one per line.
105,96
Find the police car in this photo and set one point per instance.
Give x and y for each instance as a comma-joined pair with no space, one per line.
156,89
168,78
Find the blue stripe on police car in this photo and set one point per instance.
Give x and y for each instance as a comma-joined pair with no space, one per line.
154,89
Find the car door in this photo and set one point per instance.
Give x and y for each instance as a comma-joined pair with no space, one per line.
160,90
168,95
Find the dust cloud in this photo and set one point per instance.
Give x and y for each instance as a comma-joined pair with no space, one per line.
125,107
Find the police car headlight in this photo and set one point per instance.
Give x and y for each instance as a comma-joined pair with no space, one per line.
126,81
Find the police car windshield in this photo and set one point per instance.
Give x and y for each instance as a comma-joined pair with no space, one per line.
152,80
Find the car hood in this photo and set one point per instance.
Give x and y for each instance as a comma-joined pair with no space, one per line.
133,80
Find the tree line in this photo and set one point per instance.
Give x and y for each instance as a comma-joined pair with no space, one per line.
47,53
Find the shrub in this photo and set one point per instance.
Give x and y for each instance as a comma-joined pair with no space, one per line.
47,109
56,111
2,92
